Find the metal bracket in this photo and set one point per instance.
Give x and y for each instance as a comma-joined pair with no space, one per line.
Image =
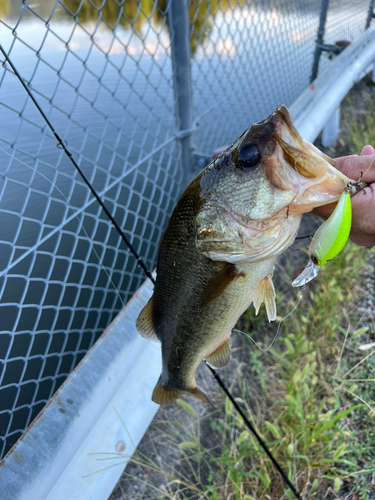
332,49
182,134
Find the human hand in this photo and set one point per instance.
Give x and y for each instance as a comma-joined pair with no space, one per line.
363,202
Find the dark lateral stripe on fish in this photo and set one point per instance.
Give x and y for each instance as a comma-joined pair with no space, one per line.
219,284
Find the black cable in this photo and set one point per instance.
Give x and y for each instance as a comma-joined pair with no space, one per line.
254,431
142,264
87,182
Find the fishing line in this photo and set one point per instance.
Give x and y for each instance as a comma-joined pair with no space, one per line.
62,145
368,168
254,431
278,326
77,215
303,237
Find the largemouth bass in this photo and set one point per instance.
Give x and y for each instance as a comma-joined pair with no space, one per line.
218,252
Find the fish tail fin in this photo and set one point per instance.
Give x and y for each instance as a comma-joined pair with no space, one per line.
164,395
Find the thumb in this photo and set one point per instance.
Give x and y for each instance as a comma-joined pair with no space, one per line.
367,150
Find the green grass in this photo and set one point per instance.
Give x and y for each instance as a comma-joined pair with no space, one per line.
309,405
361,128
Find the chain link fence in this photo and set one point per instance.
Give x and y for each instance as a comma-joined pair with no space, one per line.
103,73
345,22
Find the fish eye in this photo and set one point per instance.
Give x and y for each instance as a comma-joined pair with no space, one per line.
248,155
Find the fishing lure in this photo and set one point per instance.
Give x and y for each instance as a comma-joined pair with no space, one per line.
329,239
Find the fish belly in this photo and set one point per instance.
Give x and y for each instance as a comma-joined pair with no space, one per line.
223,315
199,335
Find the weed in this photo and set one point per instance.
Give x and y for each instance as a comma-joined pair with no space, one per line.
361,128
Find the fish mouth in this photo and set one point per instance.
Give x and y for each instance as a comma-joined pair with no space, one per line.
305,170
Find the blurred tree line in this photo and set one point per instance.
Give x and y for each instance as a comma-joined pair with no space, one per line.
134,14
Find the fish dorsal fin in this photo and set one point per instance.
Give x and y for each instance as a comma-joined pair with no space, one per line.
219,284
144,322
221,356
266,293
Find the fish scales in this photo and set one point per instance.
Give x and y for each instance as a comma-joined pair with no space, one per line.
217,254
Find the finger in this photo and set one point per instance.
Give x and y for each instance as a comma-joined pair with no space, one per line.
352,166
367,150
324,211
363,226
364,196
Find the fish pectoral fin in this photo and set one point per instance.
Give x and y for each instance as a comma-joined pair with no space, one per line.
144,322
221,356
219,284
266,293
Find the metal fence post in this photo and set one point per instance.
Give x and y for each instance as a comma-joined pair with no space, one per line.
331,129
319,40
370,15
180,45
